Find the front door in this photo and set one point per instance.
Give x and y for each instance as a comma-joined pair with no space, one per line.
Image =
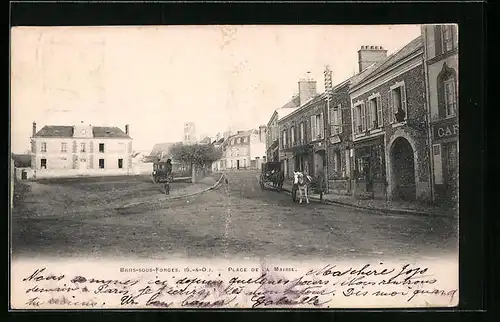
82,164
238,164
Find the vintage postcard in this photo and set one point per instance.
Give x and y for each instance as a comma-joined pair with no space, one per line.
234,167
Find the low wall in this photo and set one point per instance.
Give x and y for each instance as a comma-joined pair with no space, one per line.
341,187
142,168
70,173
19,173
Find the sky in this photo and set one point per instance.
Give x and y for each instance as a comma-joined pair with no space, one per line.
157,78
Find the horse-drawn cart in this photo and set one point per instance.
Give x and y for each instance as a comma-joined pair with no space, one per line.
271,175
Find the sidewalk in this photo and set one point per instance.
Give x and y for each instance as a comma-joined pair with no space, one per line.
394,207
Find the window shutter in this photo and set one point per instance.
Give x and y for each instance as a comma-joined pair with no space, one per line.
369,116
321,126
354,119
313,128
438,38
363,117
74,146
339,118
380,117
91,147
391,107
403,100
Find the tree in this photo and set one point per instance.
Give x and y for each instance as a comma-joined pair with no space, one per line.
197,154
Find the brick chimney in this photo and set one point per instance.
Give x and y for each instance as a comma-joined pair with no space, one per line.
307,89
368,55
34,129
126,129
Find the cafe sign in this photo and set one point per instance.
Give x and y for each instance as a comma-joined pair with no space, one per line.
446,129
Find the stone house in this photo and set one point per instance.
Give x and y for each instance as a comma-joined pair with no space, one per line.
80,150
389,122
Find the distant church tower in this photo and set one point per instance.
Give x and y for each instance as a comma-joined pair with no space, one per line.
189,133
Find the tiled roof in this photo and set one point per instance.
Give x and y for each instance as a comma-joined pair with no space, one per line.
64,131
108,132
161,147
392,59
55,131
21,160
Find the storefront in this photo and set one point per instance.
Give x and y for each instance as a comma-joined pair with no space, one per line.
445,149
369,168
339,166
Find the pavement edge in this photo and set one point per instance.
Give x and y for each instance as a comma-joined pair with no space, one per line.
379,210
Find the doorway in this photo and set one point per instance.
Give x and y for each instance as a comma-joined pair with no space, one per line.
403,170
237,164
82,164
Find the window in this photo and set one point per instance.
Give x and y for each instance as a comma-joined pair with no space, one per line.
336,120
43,163
237,152
101,147
397,102
101,163
292,135
359,118
64,147
374,118
301,133
447,92
284,138
317,127
450,101
82,147
43,148
447,37
120,163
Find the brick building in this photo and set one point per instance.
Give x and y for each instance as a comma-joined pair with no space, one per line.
441,63
389,121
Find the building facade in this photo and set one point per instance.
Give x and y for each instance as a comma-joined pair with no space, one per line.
302,138
389,122
244,150
273,131
441,66
80,150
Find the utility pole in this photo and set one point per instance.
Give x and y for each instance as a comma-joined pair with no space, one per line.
328,92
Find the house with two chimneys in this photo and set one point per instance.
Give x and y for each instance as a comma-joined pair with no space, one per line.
80,150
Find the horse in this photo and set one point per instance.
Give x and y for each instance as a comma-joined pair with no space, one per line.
302,181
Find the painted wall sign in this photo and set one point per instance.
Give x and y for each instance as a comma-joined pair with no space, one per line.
446,129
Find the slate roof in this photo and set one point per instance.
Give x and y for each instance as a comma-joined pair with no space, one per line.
64,131
55,131
108,132
241,134
294,102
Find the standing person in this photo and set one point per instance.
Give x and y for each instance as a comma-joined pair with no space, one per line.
168,170
320,183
